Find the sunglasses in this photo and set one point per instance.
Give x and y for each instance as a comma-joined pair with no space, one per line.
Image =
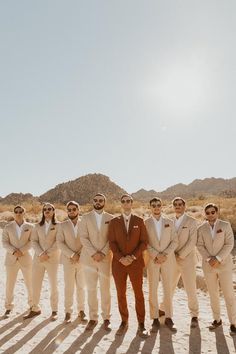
98,200
126,201
153,205
210,212
47,209
178,204
71,209
19,212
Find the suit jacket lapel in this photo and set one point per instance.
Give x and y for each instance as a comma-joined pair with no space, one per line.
94,221
181,224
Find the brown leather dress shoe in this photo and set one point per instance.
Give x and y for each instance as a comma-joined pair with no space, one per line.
155,325
214,325
106,325
141,331
53,316
91,325
82,315
170,324
67,318
161,313
194,322
7,314
232,329
122,329
32,314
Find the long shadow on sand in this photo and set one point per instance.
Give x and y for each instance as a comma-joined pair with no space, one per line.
166,345
195,341
221,344
11,323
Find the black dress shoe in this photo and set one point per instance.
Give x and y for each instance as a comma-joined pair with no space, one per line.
106,325
53,316
91,325
170,324
155,325
32,314
194,322
122,329
233,329
67,318
214,325
7,313
141,331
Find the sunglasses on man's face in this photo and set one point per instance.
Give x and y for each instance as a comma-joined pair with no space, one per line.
71,209
178,204
47,209
18,212
126,201
155,205
98,200
210,212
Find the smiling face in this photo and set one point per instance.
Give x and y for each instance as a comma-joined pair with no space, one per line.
48,211
179,207
72,211
211,214
98,202
126,204
19,215
156,208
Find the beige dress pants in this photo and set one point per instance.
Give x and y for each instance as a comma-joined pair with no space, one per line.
73,277
11,276
94,272
223,279
154,273
38,275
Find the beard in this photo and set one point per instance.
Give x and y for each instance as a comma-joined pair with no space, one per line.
72,217
98,207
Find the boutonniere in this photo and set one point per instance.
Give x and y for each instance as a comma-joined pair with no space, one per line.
53,228
135,226
167,225
184,227
25,230
107,222
218,231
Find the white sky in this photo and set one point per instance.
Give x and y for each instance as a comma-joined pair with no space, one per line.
142,91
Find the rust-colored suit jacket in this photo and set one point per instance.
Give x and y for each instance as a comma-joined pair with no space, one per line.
123,243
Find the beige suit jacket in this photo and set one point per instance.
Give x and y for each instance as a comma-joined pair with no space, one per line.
187,238
168,240
93,239
221,245
67,241
11,243
42,242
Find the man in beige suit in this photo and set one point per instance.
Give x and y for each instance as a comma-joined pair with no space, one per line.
16,240
215,243
69,242
96,258
185,253
162,242
46,259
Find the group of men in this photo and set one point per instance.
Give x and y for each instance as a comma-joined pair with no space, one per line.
90,246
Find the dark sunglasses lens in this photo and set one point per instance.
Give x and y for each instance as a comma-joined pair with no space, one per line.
71,209
47,209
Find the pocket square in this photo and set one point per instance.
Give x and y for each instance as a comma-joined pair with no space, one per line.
184,227
135,226
167,225
107,222
53,228
218,231
25,230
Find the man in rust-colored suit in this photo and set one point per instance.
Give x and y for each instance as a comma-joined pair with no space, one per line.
128,239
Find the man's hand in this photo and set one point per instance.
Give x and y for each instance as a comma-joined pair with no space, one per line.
126,261
44,257
98,256
18,253
214,263
75,258
161,258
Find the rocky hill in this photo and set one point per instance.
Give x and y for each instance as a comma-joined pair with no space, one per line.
83,189
18,198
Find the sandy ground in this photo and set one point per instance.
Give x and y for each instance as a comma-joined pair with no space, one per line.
39,335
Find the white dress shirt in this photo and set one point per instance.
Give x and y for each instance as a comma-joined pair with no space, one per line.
127,220
158,226
19,229
98,219
75,227
178,221
47,225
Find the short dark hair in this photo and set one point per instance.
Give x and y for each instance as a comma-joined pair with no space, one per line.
155,199
19,206
127,196
178,198
72,202
211,205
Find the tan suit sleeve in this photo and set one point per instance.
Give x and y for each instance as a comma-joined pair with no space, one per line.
191,243
117,254
201,245
6,242
84,237
106,248
62,244
35,242
173,243
228,245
